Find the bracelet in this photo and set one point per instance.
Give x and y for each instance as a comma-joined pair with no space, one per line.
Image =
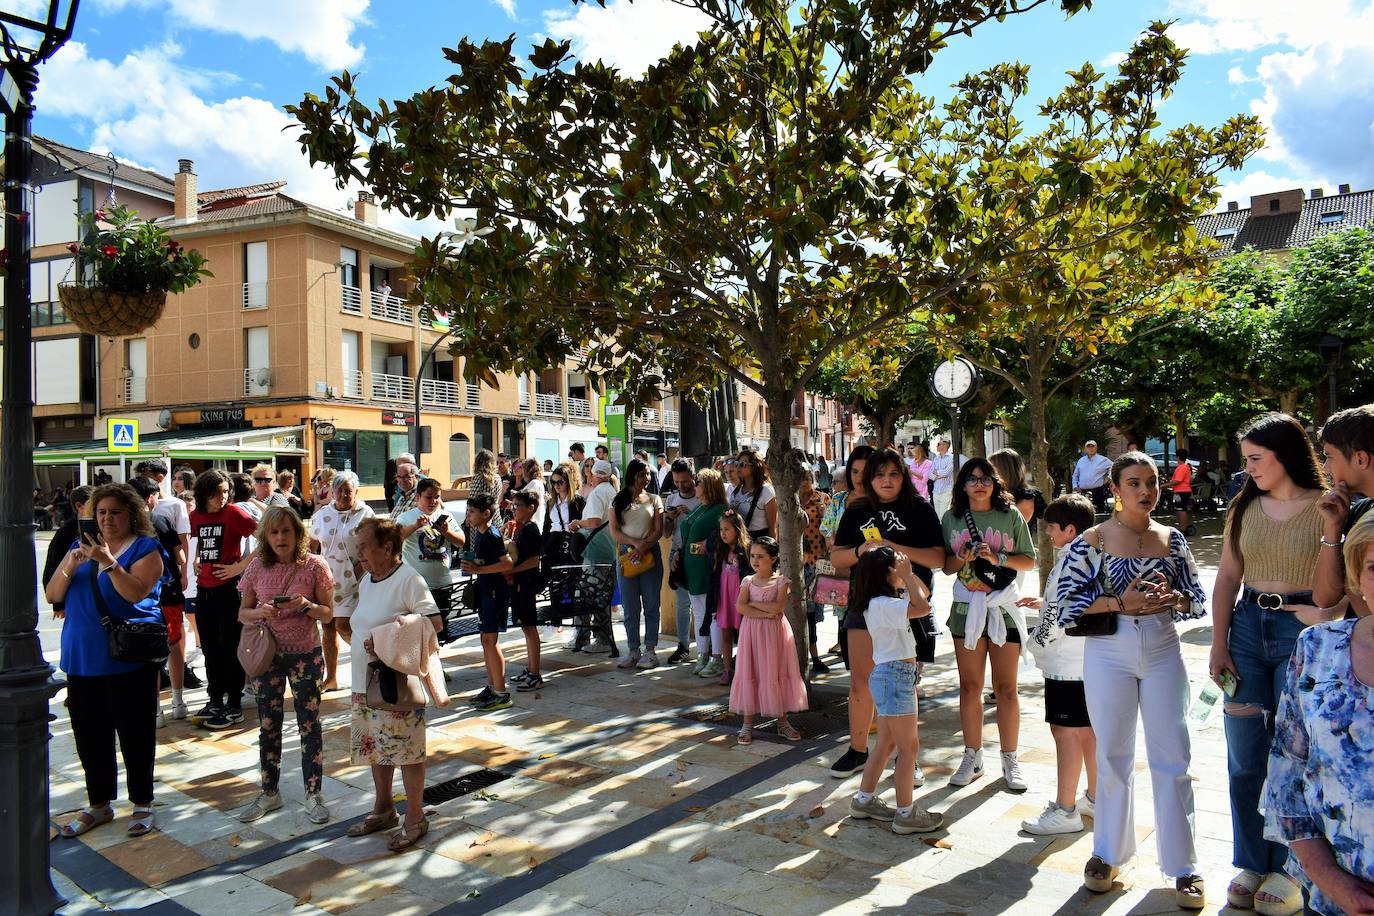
64,572
106,569
1326,543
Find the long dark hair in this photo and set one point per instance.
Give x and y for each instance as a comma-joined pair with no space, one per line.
856,454
1285,437
1001,499
627,485
889,457
869,579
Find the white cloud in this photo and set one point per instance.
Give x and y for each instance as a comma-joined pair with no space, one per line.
320,30
507,5
1236,76
1262,182
629,36
1111,61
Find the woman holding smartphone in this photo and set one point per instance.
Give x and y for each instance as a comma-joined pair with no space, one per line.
1263,600
291,592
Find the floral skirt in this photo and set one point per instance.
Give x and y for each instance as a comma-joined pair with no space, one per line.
382,737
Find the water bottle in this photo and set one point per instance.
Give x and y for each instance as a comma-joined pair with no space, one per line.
1205,702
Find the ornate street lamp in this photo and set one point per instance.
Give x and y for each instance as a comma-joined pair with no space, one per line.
26,679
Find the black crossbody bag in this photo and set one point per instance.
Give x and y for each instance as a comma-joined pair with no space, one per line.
1098,624
142,642
990,574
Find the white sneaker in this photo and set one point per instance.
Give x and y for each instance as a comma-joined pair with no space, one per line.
178,711
920,777
193,656
249,698
315,809
1053,820
1086,806
1011,772
629,661
161,720
648,660
970,768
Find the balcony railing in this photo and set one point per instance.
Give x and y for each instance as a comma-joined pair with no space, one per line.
391,308
671,418
352,300
579,409
392,387
255,295
439,393
474,396
741,427
352,383
524,402
251,387
135,389
548,405
648,416
764,429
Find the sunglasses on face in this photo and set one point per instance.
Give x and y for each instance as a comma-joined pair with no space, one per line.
263,479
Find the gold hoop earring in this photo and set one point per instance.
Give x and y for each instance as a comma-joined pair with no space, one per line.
1116,504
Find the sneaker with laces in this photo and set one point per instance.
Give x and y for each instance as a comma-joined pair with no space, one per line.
714,668
648,660
873,808
219,720
1086,806
521,677
1011,773
315,809
265,802
819,667
208,711
630,660
918,821
161,719
850,762
234,714
178,711
486,693
1054,820
497,701
920,779
970,768
533,682
680,655
702,661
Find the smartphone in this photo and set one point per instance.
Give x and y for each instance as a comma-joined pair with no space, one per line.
90,528
1229,683
873,534
279,600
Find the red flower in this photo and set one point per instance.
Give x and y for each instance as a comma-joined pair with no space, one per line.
109,251
172,245
74,248
100,215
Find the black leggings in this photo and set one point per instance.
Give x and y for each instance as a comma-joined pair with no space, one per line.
109,705
217,616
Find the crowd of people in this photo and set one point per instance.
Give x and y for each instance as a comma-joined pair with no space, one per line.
230,561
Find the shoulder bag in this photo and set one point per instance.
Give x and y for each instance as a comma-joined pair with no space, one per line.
257,644
630,568
990,574
142,642
391,691
1098,624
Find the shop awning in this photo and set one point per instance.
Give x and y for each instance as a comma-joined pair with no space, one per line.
258,444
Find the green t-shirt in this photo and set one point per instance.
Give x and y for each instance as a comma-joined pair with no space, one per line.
700,523
1005,532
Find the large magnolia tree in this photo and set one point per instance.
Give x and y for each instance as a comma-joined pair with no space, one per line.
772,192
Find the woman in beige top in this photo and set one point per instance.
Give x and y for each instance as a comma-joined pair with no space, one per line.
636,525
1262,601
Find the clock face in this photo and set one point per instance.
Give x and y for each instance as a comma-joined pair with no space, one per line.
953,379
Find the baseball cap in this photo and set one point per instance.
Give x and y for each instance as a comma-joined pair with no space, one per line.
1090,442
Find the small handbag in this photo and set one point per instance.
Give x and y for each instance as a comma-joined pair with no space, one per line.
1098,624
630,568
831,590
258,644
389,690
990,574
142,642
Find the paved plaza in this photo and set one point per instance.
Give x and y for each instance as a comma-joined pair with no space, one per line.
603,793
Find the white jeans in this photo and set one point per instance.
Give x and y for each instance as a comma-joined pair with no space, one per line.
941,502
704,644
1140,668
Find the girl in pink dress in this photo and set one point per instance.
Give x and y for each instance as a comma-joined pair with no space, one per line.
727,565
767,679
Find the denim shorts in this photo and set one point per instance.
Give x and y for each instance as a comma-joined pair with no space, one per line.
893,685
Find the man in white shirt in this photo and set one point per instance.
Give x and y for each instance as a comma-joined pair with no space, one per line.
598,507
663,475
1090,475
942,468
680,499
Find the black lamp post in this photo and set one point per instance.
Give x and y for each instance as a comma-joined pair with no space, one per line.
1331,347
26,679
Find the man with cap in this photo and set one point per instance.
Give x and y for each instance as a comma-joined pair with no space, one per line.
1090,475
598,507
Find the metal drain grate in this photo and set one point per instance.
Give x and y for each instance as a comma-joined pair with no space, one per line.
464,785
711,714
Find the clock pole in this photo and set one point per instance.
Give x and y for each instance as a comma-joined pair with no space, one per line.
956,434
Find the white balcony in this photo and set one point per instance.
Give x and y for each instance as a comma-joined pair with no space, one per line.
579,409
741,427
352,301
648,416
392,388
257,382
548,405
764,429
255,295
352,383
391,308
439,393
474,396
134,389
524,402
671,418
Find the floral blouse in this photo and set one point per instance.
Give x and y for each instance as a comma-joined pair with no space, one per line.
1078,584
1319,782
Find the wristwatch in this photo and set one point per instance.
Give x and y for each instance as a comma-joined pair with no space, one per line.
1001,559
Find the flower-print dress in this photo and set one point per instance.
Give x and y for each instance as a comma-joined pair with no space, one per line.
1321,766
336,532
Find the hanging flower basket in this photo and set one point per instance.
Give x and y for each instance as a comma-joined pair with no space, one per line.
106,313
127,267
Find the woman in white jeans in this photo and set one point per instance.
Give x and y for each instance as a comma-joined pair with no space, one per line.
1135,577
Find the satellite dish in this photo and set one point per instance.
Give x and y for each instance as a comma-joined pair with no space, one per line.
164,418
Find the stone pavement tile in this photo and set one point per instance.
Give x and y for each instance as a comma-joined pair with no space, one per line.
234,845
610,756
427,874
328,885
237,894
564,772
640,790
677,870
156,859
545,902
347,850
480,751
768,894
1067,853
222,791
402,903
482,812
79,903
571,829
496,853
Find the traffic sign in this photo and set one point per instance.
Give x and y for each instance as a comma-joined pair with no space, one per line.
121,435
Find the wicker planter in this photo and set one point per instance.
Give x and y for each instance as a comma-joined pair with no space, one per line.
106,313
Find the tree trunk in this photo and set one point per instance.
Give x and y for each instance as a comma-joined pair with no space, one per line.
887,427
975,424
1288,402
785,469
1039,466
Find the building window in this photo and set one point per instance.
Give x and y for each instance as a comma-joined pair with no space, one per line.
1331,217
255,275
257,373
85,197
1274,205
1225,233
365,452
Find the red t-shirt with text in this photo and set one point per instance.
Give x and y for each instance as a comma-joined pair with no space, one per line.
219,540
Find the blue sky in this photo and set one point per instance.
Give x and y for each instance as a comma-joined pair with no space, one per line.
158,80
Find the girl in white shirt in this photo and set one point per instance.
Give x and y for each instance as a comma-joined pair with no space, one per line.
881,574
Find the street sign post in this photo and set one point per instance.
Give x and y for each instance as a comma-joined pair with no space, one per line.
121,434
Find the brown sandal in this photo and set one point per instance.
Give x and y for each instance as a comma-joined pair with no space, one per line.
408,836
1098,876
373,823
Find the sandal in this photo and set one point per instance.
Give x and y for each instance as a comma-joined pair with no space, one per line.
141,821
1276,884
745,736
1190,893
786,730
1098,876
373,823
408,836
1241,892
87,819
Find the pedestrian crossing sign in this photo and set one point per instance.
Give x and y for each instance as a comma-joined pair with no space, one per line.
121,435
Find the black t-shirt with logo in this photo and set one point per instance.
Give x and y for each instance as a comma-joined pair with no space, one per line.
912,524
